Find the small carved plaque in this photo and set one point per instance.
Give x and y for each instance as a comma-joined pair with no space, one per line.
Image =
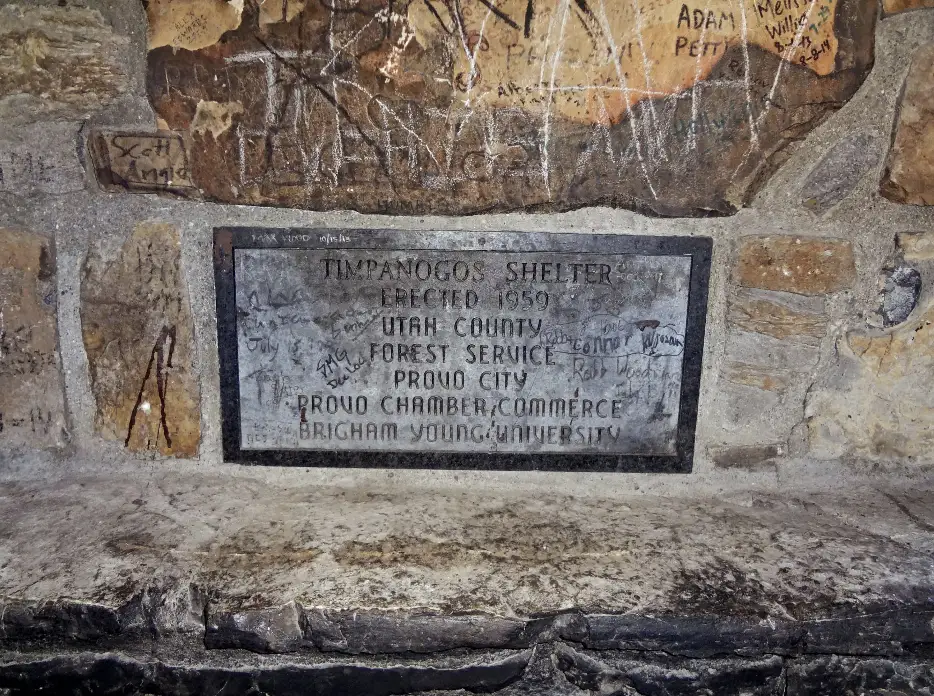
141,162
479,350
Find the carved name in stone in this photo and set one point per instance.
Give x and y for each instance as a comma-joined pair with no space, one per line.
462,107
552,351
141,162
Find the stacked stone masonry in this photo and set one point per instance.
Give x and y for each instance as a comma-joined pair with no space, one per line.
795,558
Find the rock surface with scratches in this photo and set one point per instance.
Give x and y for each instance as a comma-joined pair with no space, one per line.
32,410
137,328
424,106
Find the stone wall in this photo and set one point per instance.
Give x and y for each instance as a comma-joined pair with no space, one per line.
132,129
816,344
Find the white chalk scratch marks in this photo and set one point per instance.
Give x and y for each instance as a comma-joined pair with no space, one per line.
623,83
747,77
546,124
507,103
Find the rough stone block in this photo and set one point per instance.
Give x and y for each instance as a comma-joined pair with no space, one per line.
764,377
895,6
602,673
58,63
780,315
433,107
37,623
767,363
837,174
882,405
900,293
748,457
835,675
909,173
32,411
137,328
40,158
916,246
376,632
164,611
801,265
719,631
225,676
263,630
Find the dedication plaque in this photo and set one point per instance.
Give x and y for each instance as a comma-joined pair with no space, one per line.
505,350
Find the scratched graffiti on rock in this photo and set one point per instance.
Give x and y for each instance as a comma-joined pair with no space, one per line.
138,335
460,106
32,411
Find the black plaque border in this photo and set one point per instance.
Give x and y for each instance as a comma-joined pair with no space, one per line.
227,239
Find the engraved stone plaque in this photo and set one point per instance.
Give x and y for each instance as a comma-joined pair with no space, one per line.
500,350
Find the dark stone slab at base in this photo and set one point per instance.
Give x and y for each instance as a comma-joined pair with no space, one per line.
658,673
547,671
116,674
71,648
887,631
836,675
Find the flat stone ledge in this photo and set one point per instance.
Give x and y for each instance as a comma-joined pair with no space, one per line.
161,533
141,558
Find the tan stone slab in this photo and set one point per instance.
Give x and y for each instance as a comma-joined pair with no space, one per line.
802,265
191,24
778,315
425,106
137,328
917,246
895,6
767,363
61,62
886,410
32,411
909,173
763,377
